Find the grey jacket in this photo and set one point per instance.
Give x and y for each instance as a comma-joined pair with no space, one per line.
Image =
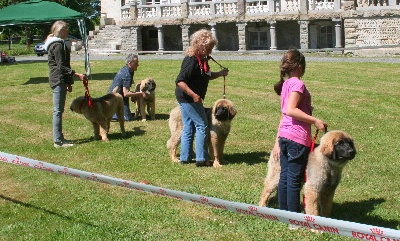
59,62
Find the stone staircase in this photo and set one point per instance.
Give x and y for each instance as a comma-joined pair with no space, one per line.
106,39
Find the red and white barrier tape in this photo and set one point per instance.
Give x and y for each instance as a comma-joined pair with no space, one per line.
343,228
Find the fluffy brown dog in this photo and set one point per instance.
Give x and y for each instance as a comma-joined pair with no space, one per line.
323,172
148,86
101,112
219,119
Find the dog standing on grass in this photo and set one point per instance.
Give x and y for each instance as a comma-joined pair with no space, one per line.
323,172
101,112
147,86
219,119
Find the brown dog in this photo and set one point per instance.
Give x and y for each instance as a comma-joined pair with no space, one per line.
323,172
148,86
101,112
219,119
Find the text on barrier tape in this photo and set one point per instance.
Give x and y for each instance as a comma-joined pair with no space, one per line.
343,228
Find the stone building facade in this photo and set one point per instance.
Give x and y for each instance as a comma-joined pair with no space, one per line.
249,25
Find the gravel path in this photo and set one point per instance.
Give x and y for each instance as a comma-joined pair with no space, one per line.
224,56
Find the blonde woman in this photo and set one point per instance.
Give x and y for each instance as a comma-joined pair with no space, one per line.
190,91
60,77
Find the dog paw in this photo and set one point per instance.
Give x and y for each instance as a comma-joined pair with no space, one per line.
144,120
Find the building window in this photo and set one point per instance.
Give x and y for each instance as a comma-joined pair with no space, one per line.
326,37
258,40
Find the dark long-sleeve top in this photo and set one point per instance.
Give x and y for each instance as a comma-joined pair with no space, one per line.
59,61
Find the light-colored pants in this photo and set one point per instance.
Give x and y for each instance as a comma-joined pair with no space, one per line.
59,96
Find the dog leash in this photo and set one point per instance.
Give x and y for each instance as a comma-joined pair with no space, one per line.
87,94
311,150
222,67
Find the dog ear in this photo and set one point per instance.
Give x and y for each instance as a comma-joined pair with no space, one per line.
232,111
327,146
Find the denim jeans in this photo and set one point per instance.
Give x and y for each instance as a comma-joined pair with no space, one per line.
293,159
127,112
59,96
195,123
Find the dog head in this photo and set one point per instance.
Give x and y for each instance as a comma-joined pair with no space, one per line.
224,110
338,146
77,104
148,86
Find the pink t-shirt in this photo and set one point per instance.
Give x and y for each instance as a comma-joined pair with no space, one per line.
290,128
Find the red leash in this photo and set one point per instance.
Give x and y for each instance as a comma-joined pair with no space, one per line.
87,95
305,174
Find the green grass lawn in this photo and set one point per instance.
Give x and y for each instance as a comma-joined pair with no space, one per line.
359,98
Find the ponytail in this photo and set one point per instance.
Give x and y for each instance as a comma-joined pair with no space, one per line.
278,86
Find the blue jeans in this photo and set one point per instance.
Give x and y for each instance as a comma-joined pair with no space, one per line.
195,122
59,96
127,112
293,159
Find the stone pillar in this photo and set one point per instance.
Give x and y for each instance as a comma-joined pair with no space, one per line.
272,33
137,38
214,34
303,6
304,40
242,36
133,10
241,8
184,8
185,36
338,33
272,6
160,36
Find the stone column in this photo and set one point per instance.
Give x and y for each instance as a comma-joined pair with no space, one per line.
133,10
242,36
185,36
160,36
338,33
304,40
137,38
241,8
214,33
184,8
272,33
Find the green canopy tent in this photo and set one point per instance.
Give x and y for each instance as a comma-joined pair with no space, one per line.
42,12
36,12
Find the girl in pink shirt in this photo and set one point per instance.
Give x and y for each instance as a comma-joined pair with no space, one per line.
293,140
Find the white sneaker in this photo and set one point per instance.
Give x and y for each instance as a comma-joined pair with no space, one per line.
62,145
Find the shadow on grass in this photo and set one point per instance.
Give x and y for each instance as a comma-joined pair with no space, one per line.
27,205
113,136
360,212
158,117
357,211
250,158
97,77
